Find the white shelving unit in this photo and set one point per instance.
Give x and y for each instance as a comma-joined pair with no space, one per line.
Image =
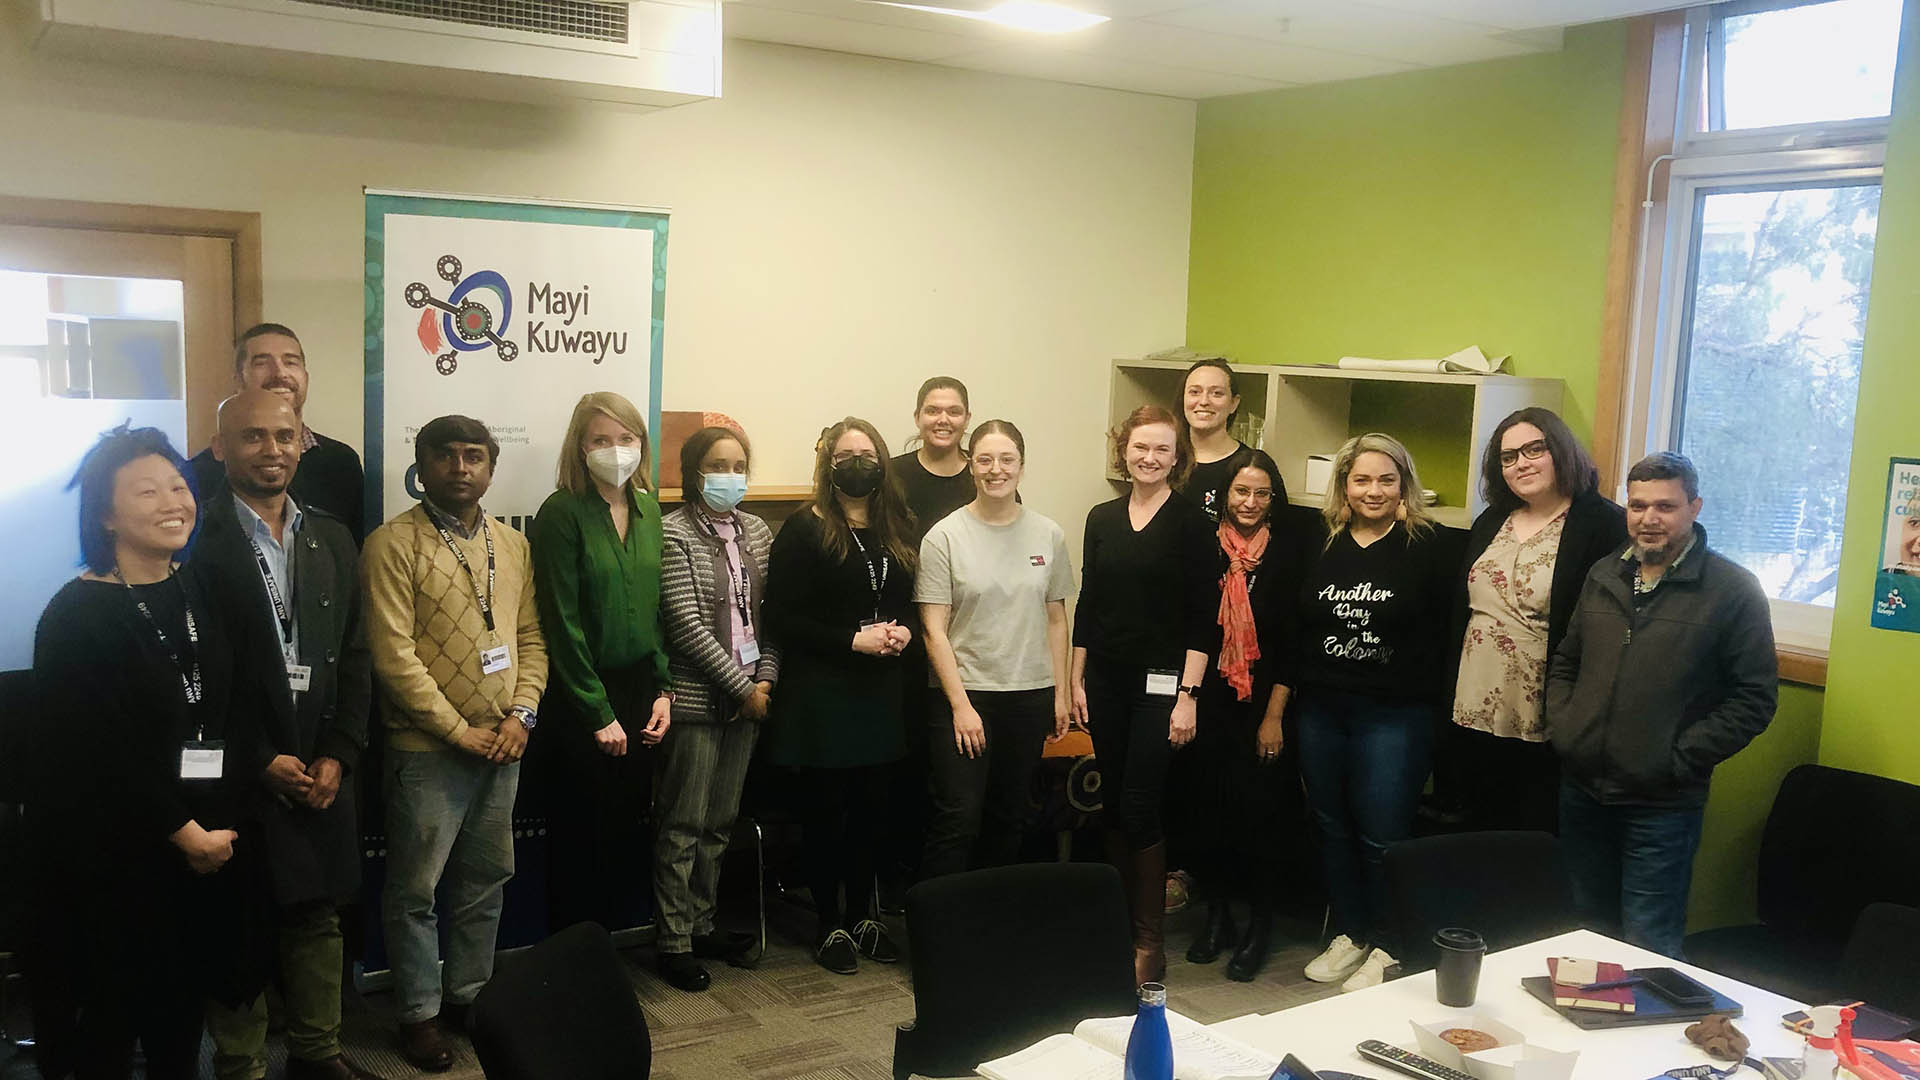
1292,412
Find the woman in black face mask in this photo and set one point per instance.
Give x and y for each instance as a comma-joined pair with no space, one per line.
839,602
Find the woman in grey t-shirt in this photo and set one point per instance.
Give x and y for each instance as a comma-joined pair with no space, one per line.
993,587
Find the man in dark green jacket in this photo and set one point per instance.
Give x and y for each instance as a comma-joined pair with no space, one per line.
287,578
1667,670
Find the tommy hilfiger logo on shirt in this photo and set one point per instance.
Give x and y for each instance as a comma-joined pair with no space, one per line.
1037,560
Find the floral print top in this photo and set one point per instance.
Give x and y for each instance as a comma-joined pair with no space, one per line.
1503,662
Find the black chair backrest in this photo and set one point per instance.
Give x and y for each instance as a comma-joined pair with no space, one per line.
1831,825
562,1010
1882,963
1007,956
1509,887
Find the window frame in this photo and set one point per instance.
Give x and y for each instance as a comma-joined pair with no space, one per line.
1702,161
1705,53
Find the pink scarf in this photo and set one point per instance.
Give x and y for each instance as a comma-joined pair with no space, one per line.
1239,645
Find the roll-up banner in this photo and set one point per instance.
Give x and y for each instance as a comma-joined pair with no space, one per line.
505,310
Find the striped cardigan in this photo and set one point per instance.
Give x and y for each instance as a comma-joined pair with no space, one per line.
694,605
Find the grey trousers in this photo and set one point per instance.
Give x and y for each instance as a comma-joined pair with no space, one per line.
696,799
449,815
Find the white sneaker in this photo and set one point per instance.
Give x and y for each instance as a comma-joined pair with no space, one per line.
1371,973
1340,960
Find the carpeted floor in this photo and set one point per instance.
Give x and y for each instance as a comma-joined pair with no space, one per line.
789,1019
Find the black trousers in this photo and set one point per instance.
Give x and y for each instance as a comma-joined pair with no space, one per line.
1129,729
981,804
842,812
597,810
1499,782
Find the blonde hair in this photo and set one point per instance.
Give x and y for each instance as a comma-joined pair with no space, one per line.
572,472
1413,504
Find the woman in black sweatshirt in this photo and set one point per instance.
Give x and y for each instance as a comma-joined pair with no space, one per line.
1370,665
1141,635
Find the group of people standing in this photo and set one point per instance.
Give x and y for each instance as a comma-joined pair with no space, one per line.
210,685
1566,665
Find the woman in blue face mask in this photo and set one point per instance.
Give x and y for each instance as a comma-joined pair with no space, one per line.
713,572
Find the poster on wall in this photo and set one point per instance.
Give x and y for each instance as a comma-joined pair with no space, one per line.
507,312
1896,588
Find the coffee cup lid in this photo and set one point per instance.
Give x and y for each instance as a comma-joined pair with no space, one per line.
1455,937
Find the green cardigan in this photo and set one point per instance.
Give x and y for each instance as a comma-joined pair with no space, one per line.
599,598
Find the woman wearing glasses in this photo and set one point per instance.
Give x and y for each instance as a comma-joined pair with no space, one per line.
1544,527
839,602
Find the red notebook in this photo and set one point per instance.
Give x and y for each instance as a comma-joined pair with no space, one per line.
1618,999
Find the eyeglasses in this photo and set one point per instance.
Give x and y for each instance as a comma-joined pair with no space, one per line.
844,456
1257,494
1533,451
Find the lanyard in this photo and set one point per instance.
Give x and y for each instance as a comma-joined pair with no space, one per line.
281,613
741,585
189,673
877,583
486,601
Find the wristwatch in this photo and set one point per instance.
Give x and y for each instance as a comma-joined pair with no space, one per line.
1191,691
528,718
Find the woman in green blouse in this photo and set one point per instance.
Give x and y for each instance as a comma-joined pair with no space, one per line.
596,571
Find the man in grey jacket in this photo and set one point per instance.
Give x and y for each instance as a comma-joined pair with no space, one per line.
1667,670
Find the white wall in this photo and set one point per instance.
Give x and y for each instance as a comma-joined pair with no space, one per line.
842,227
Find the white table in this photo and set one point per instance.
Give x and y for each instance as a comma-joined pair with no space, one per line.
1323,1033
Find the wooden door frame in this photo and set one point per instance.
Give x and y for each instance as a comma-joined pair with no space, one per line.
241,228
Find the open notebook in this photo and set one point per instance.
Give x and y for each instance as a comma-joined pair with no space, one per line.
1095,1049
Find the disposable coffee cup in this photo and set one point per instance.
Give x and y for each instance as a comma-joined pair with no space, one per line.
1456,979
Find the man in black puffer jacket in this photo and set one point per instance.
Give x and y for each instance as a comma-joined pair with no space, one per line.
1667,670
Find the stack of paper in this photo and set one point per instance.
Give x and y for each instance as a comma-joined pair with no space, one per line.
1468,361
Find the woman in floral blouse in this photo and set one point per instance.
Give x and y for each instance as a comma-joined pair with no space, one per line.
1544,527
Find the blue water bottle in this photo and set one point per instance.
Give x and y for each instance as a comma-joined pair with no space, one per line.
1150,1047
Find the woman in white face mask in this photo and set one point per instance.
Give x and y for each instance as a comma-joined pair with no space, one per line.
596,568
713,575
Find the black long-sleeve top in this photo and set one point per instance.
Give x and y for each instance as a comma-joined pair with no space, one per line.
115,713
1149,597
1375,621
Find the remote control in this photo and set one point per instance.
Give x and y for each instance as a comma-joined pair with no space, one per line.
1407,1062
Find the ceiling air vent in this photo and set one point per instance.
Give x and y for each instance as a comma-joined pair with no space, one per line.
653,53
595,20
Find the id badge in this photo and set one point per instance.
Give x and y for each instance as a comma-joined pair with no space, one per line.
202,760
299,678
749,653
1163,683
494,659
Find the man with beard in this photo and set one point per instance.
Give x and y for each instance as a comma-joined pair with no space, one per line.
287,577
1667,670
269,357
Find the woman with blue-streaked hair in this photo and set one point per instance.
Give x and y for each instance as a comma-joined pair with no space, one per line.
135,679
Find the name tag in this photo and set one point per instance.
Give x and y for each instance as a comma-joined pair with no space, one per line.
1163,683
299,678
494,659
202,760
749,653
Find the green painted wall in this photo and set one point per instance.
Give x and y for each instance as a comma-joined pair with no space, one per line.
1411,215
1870,722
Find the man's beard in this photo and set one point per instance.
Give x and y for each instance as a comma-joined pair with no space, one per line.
1658,555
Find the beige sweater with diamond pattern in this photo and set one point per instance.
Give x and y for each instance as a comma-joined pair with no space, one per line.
426,632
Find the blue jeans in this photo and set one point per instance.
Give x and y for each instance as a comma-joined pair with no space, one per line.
1364,762
449,816
1631,867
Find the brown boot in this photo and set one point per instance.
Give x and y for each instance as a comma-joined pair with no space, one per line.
1149,904
425,1047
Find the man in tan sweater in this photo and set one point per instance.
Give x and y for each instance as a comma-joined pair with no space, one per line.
457,650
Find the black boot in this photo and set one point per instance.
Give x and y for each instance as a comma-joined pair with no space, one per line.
1216,936
1251,956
